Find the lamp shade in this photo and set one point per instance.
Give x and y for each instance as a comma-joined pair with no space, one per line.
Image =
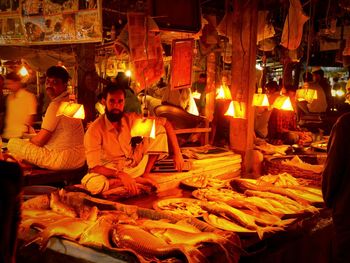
306,94
283,103
223,93
236,109
23,71
72,110
260,100
196,95
144,127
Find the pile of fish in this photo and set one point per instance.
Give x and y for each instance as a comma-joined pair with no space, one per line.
143,233
260,208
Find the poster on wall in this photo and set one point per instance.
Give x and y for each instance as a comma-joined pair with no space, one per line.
40,22
181,63
11,30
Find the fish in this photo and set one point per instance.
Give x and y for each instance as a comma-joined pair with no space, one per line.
246,220
150,246
159,224
97,234
59,207
70,228
179,237
243,185
285,202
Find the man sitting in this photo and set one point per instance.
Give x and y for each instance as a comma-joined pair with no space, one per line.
59,143
109,146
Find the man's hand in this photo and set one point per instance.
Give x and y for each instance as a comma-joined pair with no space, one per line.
179,162
128,182
145,179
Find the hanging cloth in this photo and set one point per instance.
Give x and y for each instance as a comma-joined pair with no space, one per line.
293,26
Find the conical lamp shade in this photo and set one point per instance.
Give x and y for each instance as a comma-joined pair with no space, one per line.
224,93
236,109
72,110
283,103
144,127
260,100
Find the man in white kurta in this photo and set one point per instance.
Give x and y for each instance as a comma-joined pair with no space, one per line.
59,143
108,147
20,108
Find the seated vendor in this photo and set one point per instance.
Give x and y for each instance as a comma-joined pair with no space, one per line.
59,143
315,104
109,147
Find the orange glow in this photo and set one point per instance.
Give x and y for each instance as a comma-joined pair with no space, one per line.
223,93
72,110
283,103
306,94
196,95
23,71
144,127
260,100
236,109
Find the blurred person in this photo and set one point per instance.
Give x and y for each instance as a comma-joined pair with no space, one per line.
262,114
312,105
21,107
59,143
336,185
109,147
200,86
132,103
318,78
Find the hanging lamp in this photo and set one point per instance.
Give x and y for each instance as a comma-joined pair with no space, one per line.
283,103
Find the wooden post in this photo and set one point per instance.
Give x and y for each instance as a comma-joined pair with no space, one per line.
87,85
244,35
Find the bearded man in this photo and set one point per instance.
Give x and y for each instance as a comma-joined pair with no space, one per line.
109,148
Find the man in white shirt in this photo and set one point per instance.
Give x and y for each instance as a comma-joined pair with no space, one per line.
20,108
59,143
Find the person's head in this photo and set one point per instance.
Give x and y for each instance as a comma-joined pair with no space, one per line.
56,81
114,100
13,82
307,77
272,87
122,79
318,75
202,78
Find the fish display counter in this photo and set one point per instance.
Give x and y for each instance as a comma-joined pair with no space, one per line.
207,218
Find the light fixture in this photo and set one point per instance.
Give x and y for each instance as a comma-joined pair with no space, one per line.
306,93
333,92
23,71
196,95
236,109
128,73
144,127
260,99
340,93
223,93
71,109
283,103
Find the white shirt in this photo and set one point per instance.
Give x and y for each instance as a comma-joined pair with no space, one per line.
19,107
67,133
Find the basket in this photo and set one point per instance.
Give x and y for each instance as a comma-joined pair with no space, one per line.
275,166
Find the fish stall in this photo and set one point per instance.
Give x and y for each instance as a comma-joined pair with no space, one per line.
198,216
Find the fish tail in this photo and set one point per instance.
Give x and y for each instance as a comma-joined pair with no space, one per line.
193,255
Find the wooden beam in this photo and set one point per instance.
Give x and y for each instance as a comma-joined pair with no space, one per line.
244,35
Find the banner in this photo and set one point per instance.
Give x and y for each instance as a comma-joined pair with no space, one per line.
39,22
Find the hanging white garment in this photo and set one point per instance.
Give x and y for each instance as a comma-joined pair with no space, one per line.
293,25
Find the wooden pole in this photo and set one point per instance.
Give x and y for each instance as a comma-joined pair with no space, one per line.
244,35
